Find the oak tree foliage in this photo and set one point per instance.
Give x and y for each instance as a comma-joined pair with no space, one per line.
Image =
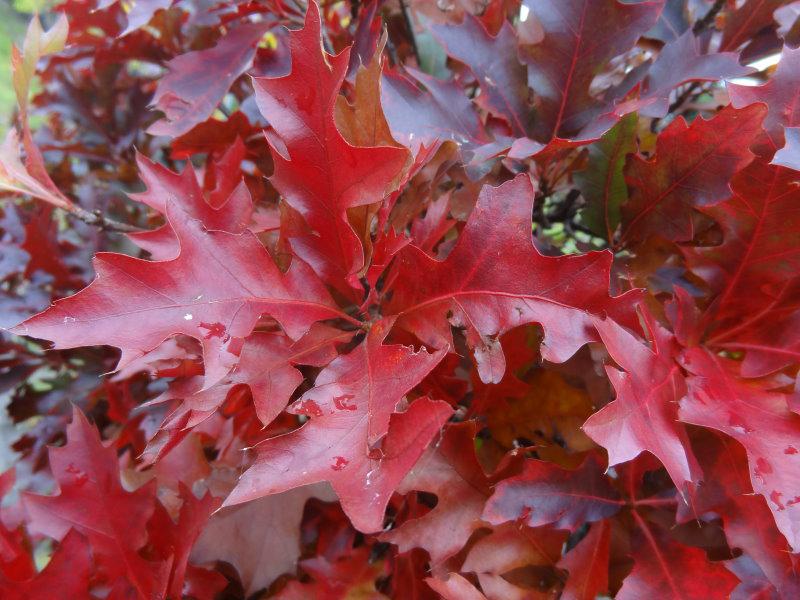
472,299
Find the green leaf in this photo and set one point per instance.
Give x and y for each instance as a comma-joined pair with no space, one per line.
602,183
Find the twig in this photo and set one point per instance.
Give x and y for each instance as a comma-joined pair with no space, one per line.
567,208
699,27
704,23
572,227
96,219
685,95
410,27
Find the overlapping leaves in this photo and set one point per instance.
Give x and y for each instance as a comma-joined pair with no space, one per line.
383,250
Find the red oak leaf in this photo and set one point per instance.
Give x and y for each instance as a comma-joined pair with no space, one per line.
197,81
135,304
691,169
748,522
351,408
267,365
745,22
455,587
493,60
587,564
261,315
16,564
663,568
547,494
752,582
750,527
789,155
427,231
261,539
452,472
43,249
92,501
140,13
318,173
177,356
495,280
643,417
439,112
361,120
507,548
181,536
347,576
213,136
68,572
223,174
230,213
681,61
412,573
753,274
673,21
780,94
757,418
344,465
579,38
28,175
788,27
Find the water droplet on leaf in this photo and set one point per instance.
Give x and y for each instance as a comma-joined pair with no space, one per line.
339,463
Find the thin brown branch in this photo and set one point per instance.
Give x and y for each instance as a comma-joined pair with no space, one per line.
97,219
709,18
699,27
683,97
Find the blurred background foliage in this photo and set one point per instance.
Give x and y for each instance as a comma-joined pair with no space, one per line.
14,17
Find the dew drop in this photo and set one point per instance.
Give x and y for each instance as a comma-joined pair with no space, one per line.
762,468
188,316
68,320
309,408
215,330
80,476
305,101
341,402
738,425
339,463
198,297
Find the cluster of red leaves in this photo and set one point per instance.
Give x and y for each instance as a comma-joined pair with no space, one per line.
463,300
